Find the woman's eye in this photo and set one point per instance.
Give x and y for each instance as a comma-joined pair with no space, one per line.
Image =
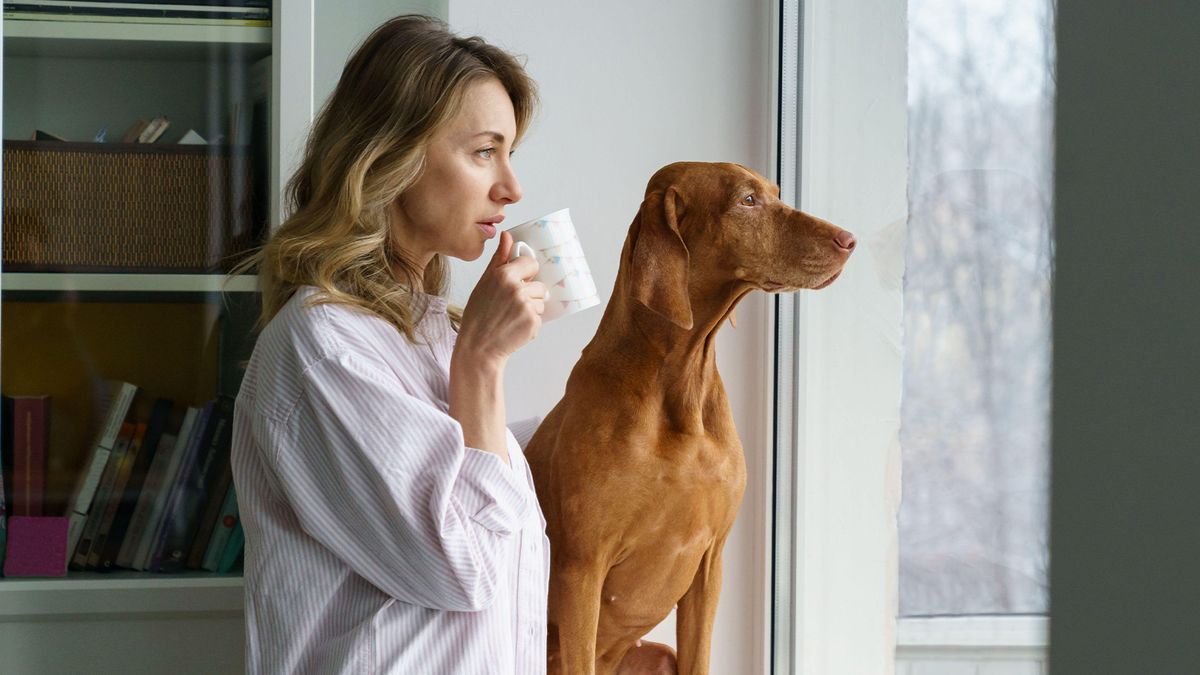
486,152
748,200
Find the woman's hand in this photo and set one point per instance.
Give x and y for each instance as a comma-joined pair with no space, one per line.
504,311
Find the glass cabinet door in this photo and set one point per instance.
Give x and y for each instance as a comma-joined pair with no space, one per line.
136,175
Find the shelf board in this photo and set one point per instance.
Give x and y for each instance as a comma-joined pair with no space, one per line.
125,39
120,593
146,283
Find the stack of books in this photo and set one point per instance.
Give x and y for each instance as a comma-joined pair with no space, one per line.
156,493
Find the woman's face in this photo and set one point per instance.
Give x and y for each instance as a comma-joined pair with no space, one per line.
467,181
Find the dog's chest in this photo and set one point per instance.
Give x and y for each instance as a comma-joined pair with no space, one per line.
705,469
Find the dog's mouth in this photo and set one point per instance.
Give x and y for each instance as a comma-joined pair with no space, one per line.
828,281
774,287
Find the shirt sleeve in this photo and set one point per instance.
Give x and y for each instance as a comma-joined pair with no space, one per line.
385,482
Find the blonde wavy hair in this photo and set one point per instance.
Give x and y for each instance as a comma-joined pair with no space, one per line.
367,146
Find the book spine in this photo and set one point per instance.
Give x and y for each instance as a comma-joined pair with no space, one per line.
103,492
122,398
4,427
6,449
221,531
208,520
148,537
184,519
86,493
141,512
30,431
116,496
179,486
133,487
233,549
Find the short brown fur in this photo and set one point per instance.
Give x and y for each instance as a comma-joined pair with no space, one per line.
638,468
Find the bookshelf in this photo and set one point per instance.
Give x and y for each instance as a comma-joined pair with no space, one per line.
16,282
24,36
177,334
120,593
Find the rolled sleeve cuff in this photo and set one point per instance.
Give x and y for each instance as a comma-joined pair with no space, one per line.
488,490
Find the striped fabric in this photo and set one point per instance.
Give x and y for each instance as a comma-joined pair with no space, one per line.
376,541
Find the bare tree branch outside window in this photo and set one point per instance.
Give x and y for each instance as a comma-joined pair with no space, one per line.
975,411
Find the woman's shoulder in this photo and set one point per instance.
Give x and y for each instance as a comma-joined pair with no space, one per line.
314,328
309,328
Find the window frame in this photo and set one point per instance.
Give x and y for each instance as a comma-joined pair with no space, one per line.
822,616
834,496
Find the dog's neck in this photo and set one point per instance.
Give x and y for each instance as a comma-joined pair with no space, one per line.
680,363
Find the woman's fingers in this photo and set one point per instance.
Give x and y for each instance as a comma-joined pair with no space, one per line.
536,290
503,250
523,268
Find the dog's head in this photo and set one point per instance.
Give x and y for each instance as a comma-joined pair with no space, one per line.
725,223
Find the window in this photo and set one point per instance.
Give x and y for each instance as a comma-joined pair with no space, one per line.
975,403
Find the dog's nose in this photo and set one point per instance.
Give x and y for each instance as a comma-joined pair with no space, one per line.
845,240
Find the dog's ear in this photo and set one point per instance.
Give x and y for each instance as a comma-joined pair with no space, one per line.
659,259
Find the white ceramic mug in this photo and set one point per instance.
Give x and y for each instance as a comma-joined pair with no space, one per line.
551,241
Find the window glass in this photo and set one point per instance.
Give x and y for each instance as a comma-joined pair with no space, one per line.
975,412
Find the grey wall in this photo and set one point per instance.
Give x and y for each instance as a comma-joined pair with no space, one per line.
1125,511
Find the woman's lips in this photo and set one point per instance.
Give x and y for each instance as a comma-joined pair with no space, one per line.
489,230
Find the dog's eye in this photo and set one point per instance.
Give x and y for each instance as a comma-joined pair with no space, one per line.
748,200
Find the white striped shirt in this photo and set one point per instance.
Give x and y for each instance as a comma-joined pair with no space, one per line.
376,541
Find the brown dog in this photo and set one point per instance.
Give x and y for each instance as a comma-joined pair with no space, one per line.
638,468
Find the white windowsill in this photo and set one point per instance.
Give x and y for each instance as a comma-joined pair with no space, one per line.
971,632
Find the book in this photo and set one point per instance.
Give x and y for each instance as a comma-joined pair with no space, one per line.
114,498
136,130
160,415
209,515
226,521
4,427
31,438
140,519
151,553
233,549
114,400
104,490
154,129
148,535
182,521
6,449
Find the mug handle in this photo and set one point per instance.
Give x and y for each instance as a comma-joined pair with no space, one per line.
521,249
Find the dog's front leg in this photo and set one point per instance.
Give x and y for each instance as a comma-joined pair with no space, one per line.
575,604
697,609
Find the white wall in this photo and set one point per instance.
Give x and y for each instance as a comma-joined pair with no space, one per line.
627,88
338,33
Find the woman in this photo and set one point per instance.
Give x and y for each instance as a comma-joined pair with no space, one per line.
390,518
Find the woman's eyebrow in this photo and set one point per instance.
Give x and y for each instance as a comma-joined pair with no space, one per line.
495,136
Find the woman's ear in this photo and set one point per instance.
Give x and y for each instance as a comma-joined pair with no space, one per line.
659,259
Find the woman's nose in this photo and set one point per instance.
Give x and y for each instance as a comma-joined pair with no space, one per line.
508,188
